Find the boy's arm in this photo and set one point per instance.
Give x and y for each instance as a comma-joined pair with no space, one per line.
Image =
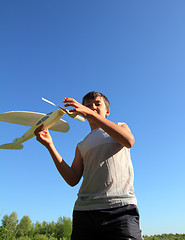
71,175
121,134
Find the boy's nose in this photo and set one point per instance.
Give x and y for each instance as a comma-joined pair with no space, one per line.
93,106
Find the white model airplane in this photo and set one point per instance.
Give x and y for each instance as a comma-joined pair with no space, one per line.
50,121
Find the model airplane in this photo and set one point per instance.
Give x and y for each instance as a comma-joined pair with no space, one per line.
50,121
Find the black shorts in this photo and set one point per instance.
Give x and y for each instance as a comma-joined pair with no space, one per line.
120,223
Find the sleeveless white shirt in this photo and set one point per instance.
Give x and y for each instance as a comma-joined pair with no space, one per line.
108,174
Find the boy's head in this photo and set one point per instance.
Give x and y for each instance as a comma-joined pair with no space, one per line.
95,94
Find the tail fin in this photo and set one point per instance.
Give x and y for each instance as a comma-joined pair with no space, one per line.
11,146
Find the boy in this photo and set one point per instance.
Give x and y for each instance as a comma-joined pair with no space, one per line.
106,205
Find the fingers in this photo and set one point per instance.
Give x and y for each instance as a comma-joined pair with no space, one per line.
77,107
40,133
70,102
67,99
39,129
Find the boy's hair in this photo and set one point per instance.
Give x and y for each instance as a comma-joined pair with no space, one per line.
94,94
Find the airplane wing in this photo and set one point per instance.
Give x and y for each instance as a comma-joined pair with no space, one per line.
30,119
60,126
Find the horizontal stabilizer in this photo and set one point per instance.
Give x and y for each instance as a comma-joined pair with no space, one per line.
11,146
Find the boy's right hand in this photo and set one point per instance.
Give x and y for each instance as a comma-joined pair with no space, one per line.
43,136
78,107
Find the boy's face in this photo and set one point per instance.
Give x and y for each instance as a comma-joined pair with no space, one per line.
98,105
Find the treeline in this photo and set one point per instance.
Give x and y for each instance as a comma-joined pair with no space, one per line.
166,237
12,229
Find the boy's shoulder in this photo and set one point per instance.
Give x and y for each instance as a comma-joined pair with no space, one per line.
96,138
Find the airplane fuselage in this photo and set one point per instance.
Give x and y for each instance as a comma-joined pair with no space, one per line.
48,120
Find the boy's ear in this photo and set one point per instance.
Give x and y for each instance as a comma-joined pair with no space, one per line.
108,112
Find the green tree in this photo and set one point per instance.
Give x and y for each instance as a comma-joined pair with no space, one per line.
40,237
24,227
10,224
63,228
48,229
24,238
53,238
51,229
37,228
165,237
3,233
67,228
59,228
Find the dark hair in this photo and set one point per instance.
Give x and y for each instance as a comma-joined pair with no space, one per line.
94,94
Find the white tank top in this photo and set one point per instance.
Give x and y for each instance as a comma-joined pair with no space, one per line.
108,173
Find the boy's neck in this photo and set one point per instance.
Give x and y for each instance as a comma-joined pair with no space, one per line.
93,126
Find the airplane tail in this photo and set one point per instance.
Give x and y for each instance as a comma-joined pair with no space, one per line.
12,145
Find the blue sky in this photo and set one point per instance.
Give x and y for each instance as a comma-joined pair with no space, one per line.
133,52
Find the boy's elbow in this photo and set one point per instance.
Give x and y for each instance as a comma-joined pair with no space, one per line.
130,142
74,181
73,184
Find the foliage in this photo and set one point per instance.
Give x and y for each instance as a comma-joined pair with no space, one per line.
24,238
3,233
12,229
63,228
9,226
166,237
40,237
24,227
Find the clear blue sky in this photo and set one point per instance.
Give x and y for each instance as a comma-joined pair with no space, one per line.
133,52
